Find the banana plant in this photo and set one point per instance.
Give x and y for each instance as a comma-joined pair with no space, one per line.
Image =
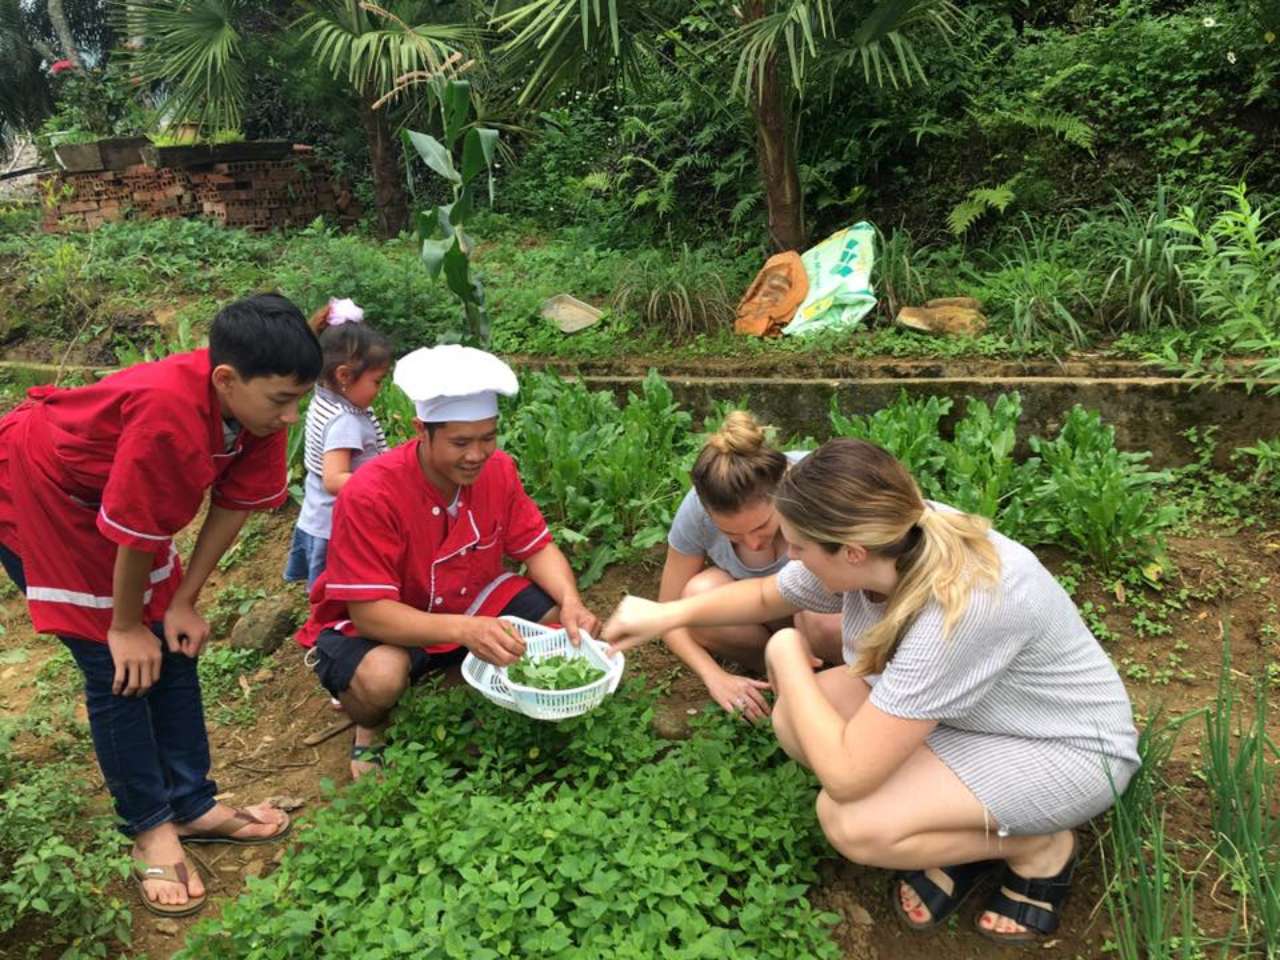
465,154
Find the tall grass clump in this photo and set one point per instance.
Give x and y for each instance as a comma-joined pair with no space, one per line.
1149,898
1147,288
1240,767
683,293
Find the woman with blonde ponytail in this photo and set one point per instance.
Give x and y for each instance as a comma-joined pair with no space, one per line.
727,530
978,721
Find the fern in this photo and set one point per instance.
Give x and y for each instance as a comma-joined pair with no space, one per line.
1059,123
980,201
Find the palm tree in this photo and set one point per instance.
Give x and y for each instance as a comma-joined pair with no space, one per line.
196,49
370,47
555,43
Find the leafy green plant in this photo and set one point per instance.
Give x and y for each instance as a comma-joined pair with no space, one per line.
910,430
1096,499
556,672
60,861
1234,267
1149,898
608,476
1041,286
224,681
1147,288
445,245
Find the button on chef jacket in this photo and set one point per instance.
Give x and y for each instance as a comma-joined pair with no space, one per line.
393,539
123,462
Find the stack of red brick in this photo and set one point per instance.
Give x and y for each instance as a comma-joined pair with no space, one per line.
256,195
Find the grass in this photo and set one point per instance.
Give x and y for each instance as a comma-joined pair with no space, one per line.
1240,769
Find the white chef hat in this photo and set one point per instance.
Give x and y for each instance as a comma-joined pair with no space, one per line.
453,382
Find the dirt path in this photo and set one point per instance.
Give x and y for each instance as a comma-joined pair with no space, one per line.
1234,577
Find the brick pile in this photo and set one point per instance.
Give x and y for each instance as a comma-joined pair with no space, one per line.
256,195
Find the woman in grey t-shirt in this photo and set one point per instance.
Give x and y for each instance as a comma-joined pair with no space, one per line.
726,529
978,721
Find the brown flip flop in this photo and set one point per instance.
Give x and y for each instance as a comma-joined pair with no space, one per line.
175,873
224,830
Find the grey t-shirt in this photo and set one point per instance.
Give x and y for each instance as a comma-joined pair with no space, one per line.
695,534
1019,662
336,425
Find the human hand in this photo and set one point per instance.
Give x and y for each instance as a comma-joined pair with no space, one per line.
739,695
575,616
493,640
185,631
137,656
632,622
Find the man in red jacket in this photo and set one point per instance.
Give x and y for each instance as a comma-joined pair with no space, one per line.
415,573
94,484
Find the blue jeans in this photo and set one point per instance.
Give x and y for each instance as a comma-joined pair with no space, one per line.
153,750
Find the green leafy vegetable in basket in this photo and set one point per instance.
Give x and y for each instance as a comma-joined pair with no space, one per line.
556,672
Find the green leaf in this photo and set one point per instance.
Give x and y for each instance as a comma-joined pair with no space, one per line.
433,153
456,106
477,153
433,253
457,273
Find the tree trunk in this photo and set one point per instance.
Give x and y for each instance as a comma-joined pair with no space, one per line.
775,149
58,17
384,159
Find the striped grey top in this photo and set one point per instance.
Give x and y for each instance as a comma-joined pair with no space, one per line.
333,424
326,408
1020,662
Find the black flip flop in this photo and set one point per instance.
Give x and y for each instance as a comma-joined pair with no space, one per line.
965,878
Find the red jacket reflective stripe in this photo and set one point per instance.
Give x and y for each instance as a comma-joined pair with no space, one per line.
393,539
123,462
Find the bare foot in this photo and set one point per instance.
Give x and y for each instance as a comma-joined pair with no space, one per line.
159,847
1048,861
270,816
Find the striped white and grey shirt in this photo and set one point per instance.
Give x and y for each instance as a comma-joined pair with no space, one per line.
1020,664
333,424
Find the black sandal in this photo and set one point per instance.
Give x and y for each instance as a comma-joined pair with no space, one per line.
1038,921
965,878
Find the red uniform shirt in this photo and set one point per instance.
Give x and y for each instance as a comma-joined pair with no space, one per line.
393,539
123,462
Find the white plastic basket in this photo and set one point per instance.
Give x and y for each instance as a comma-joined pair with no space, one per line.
540,642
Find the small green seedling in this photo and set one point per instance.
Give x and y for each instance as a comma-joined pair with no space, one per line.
556,672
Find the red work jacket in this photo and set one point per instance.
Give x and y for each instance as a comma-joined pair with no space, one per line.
122,462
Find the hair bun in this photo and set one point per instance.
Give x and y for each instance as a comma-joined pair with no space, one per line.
739,435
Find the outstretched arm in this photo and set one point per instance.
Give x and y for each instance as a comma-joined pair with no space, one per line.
748,601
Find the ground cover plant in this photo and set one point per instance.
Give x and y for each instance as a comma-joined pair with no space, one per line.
495,836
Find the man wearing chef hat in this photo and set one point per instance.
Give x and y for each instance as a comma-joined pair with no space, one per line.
415,574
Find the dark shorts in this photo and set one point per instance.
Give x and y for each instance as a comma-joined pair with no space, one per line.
336,656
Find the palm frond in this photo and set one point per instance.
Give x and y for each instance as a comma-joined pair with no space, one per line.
371,47
194,47
550,43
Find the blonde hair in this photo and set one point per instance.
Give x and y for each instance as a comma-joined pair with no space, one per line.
853,492
737,466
